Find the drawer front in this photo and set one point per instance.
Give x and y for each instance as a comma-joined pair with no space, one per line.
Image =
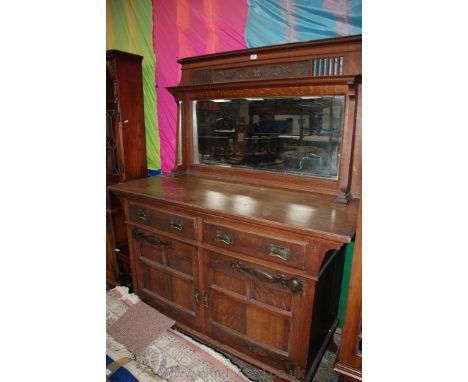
165,221
276,249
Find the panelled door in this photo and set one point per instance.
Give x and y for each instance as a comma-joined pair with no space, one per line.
167,275
251,308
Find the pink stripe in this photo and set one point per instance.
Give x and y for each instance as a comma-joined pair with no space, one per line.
289,8
183,28
340,10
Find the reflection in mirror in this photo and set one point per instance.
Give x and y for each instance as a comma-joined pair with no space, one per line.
296,135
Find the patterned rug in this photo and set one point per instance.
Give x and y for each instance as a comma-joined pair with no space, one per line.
173,356
176,357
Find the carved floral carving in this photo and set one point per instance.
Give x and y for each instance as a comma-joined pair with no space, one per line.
287,70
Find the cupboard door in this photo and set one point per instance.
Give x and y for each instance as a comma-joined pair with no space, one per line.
251,309
167,275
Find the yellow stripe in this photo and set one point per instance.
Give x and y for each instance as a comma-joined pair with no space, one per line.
131,23
114,366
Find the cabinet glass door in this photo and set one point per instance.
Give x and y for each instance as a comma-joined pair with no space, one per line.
111,144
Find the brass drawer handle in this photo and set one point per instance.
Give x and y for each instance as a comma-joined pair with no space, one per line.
177,224
139,235
282,252
206,300
196,295
142,214
293,284
224,237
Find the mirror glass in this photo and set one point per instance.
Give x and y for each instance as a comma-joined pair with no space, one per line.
295,135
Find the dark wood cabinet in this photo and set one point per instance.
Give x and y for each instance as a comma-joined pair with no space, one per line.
125,152
244,251
260,285
349,363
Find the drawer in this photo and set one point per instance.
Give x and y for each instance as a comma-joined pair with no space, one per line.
262,245
164,220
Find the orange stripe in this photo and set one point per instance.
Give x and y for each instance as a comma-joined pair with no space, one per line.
110,37
183,25
212,36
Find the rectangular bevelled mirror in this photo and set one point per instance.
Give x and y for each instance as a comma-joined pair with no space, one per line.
295,135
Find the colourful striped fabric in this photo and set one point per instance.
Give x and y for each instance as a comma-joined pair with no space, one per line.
129,26
281,21
185,28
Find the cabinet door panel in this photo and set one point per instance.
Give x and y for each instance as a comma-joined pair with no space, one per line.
229,282
276,298
157,282
167,272
266,328
151,253
250,311
228,312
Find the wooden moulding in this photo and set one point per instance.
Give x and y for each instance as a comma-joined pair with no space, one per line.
281,70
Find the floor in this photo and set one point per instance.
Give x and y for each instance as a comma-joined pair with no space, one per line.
324,372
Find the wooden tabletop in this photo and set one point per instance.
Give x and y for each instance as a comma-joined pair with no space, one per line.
311,213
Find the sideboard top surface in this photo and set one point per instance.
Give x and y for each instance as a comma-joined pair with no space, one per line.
312,213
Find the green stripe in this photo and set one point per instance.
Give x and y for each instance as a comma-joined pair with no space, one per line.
144,47
345,283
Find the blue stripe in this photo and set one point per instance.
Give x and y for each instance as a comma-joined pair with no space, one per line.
121,374
268,22
154,172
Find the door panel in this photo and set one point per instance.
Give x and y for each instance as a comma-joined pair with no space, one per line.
276,298
251,308
152,253
167,272
266,328
228,312
155,281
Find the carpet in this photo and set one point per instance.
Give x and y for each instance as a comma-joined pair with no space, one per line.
173,356
139,327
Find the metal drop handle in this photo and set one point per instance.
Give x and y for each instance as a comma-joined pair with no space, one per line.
293,284
177,224
196,295
224,237
142,215
140,235
282,252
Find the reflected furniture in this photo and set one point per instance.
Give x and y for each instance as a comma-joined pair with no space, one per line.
242,249
125,153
